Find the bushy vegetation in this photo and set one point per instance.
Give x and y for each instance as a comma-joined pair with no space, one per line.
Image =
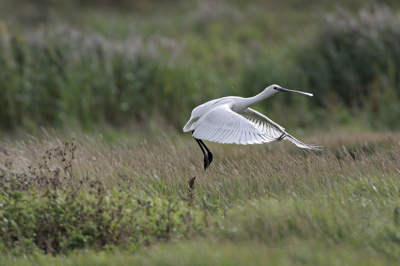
354,62
48,207
57,74
350,63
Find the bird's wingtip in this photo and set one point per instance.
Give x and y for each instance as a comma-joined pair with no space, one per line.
315,147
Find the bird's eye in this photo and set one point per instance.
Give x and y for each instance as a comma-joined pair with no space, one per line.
276,88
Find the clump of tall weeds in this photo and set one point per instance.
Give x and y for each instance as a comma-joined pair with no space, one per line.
51,208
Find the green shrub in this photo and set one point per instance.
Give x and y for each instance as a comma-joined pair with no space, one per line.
355,56
352,60
57,74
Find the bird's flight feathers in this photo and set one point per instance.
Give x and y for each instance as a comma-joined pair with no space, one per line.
223,125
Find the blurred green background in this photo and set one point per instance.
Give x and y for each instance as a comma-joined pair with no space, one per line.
141,65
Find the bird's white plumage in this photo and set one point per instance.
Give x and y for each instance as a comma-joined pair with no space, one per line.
222,125
270,128
230,120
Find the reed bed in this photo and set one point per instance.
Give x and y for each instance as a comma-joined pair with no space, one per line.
59,73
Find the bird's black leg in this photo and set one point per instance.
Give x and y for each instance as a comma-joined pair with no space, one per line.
206,161
207,158
209,153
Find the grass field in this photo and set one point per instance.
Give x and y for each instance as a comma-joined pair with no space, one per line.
130,203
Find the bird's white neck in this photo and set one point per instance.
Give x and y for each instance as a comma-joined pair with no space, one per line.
259,97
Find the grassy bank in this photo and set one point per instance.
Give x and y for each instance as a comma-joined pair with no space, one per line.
298,207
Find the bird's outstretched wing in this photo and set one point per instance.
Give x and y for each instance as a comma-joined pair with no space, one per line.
223,125
272,129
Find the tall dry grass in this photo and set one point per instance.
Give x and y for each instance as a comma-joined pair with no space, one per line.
237,172
90,194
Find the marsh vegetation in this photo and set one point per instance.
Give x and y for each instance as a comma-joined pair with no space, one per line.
115,182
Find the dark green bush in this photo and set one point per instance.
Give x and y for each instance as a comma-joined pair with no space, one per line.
352,61
58,74
355,56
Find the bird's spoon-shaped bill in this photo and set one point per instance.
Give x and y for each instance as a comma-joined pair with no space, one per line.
305,93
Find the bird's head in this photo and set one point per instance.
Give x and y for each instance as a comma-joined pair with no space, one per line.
273,89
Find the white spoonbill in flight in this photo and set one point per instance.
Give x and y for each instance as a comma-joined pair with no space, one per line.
230,120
